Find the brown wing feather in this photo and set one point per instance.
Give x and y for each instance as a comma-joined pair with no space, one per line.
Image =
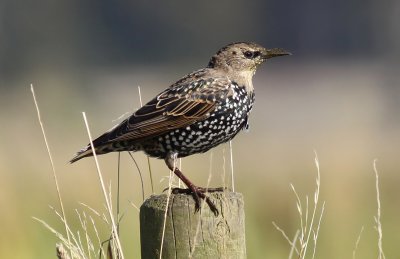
166,121
182,104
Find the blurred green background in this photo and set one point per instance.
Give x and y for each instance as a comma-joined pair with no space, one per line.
338,94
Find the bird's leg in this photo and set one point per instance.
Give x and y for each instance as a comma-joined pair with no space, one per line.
197,192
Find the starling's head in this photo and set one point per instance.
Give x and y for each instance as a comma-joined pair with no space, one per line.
243,57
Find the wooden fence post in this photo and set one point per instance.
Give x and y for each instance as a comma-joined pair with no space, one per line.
190,234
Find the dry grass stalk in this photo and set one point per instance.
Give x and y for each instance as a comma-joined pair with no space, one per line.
82,247
180,168
201,208
140,173
232,174
52,164
108,203
357,242
307,220
148,158
223,168
166,207
378,223
291,243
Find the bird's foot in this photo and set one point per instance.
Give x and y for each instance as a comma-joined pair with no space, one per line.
198,193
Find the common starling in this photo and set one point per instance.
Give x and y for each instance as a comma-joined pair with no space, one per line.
200,111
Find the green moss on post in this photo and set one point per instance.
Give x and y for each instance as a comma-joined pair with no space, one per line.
190,234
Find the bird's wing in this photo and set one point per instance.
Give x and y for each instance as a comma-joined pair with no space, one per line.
182,104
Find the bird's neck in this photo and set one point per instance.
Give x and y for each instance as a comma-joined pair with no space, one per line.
243,78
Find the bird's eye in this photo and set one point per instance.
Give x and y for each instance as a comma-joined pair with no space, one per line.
248,54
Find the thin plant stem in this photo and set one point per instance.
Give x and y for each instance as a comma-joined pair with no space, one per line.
291,243
180,168
310,220
202,209
118,189
100,176
381,255
357,242
151,174
316,196
140,173
223,168
232,174
166,207
148,158
52,165
316,232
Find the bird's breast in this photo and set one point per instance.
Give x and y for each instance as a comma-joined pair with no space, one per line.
222,124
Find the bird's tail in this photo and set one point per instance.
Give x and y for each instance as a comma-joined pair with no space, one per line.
85,152
103,148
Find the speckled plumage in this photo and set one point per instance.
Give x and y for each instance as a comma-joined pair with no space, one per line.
200,111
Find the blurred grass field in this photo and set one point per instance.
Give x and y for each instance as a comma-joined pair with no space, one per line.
348,111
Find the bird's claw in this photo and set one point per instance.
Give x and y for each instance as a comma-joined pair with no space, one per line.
198,193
